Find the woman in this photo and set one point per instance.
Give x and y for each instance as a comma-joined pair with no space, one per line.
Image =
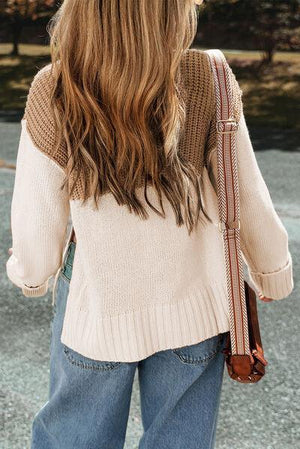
119,131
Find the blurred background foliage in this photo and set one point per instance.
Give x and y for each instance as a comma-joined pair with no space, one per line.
261,40
267,26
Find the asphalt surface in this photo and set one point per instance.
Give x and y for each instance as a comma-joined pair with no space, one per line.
261,416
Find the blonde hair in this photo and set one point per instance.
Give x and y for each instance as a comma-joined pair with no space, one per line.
118,100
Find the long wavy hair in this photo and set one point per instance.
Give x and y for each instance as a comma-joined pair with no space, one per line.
118,100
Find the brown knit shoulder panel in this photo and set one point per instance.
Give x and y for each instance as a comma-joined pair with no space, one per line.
39,117
200,104
199,136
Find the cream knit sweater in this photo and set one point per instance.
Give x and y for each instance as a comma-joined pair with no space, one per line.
141,286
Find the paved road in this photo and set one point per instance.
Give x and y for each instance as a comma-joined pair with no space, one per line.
264,416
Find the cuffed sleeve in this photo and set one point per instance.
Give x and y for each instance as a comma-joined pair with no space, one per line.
41,290
264,239
39,217
277,284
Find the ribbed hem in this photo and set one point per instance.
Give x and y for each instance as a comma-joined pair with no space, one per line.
278,284
135,335
41,290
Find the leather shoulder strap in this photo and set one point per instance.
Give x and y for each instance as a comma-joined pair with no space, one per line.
228,200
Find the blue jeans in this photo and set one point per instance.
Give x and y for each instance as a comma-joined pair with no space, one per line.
89,400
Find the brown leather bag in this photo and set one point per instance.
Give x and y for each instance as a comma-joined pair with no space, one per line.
243,352
248,368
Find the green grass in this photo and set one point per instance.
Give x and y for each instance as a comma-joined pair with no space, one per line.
271,93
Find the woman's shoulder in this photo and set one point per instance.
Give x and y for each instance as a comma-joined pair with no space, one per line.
41,85
196,54
204,60
195,67
37,108
197,70
39,115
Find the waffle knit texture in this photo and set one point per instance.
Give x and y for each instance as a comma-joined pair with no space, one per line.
141,286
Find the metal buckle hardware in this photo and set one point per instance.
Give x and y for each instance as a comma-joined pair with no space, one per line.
222,126
232,225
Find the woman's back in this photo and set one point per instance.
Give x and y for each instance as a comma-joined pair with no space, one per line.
144,281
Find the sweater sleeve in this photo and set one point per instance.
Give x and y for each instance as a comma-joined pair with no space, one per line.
264,239
39,218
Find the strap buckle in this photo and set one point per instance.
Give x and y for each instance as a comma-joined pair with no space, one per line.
227,126
223,226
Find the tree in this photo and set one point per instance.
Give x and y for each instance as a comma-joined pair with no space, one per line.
277,24
17,13
263,24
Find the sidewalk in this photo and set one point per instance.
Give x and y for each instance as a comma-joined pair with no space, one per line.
264,416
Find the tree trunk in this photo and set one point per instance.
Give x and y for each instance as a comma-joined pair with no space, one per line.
16,34
269,55
269,48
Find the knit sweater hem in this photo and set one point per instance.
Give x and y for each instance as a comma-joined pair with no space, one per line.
137,334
